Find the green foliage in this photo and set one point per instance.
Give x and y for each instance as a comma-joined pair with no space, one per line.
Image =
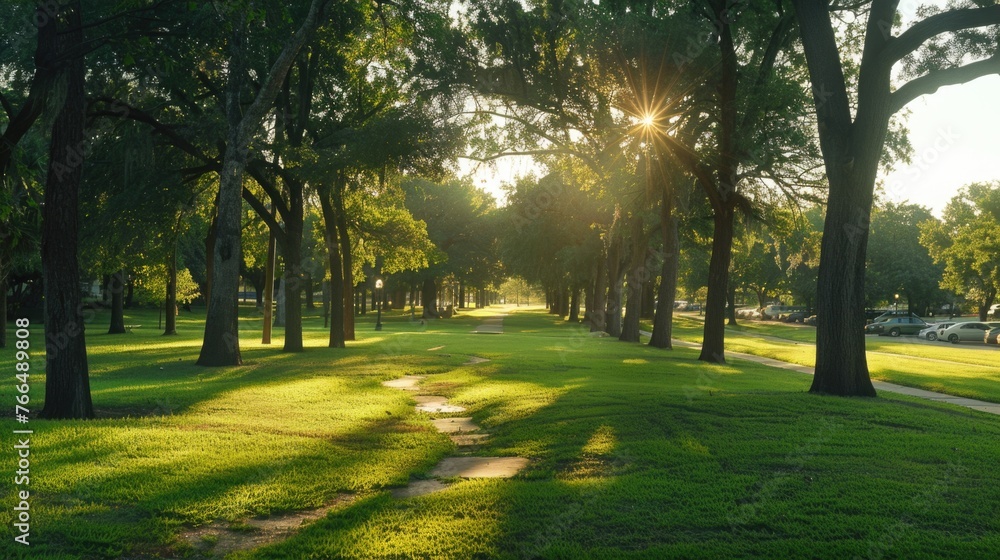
897,262
966,241
151,285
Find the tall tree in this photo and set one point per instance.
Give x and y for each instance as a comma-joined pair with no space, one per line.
852,134
67,386
220,346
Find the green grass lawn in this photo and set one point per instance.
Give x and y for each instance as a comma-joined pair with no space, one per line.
942,367
635,452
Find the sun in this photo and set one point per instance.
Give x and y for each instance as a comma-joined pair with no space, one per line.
648,120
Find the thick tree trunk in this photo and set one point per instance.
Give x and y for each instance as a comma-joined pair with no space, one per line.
117,303
170,299
337,306
429,298
221,343
67,382
292,255
663,320
129,292
714,339
209,252
574,305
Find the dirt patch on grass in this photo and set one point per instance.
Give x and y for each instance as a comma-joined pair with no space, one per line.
217,540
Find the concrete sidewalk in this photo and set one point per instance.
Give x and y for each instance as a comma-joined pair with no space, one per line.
974,404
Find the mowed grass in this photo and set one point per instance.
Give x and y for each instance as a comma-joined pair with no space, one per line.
635,452
964,370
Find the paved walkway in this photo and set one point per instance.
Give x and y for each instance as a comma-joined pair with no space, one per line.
974,404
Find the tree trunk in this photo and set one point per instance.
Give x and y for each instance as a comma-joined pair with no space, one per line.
170,301
348,262
67,384
731,305
429,299
714,339
279,306
599,315
648,299
633,303
221,344
337,304
292,255
129,291
117,303
663,320
269,287
613,314
210,252
574,305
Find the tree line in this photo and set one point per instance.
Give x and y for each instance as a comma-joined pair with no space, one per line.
669,130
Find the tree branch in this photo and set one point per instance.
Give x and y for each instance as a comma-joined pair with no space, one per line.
949,21
124,110
279,234
930,82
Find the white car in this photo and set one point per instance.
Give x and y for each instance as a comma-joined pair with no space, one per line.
931,332
965,332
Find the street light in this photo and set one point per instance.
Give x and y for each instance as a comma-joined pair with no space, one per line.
378,296
897,302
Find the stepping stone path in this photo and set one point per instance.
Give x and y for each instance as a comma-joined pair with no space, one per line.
464,433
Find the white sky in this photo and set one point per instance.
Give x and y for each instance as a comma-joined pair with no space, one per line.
955,135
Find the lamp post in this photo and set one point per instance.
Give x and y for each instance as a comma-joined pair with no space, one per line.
897,303
378,296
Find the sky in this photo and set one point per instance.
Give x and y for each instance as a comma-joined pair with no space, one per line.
955,134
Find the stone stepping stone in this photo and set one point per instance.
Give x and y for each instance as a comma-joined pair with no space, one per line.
455,425
406,383
431,403
419,488
465,440
473,360
479,467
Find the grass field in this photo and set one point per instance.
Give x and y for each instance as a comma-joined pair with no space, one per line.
635,452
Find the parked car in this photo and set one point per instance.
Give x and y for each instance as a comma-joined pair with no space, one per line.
896,326
891,314
931,332
796,317
966,332
994,312
992,335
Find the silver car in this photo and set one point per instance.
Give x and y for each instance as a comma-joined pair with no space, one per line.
931,332
966,332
